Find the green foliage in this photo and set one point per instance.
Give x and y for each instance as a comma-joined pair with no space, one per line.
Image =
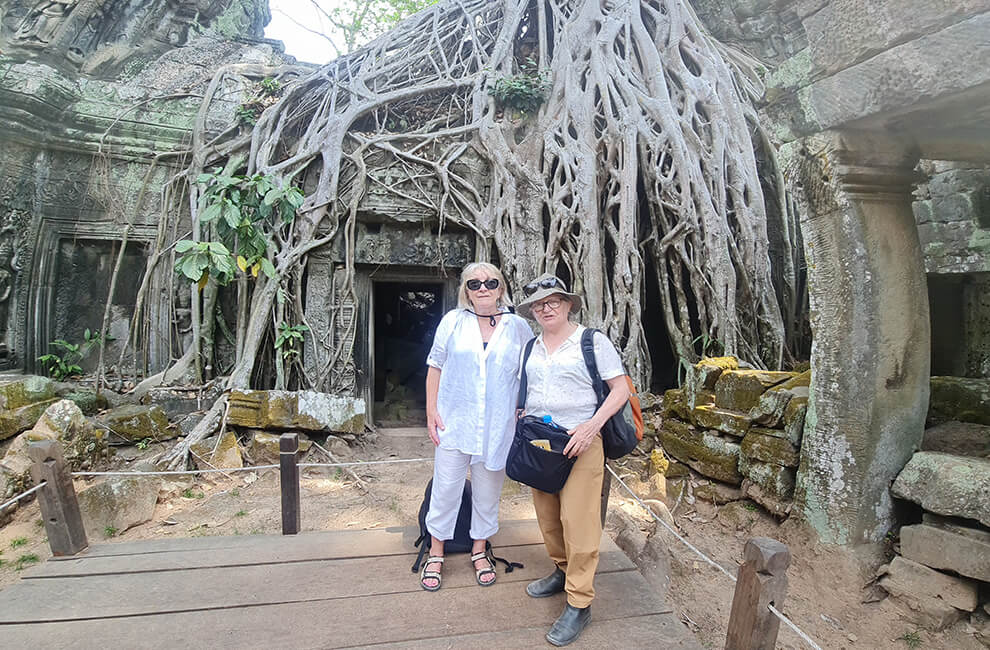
17,542
65,363
270,87
524,92
359,21
109,531
235,492
247,114
143,444
245,211
187,493
240,513
25,560
911,639
288,337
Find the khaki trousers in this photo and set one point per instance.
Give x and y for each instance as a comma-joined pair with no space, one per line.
572,526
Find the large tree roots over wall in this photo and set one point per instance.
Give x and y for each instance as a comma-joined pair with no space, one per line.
617,139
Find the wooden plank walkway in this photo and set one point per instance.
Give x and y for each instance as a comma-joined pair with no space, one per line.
316,590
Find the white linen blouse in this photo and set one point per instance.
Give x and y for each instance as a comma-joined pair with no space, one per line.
478,384
559,384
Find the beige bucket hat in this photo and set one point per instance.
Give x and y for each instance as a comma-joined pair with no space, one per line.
543,287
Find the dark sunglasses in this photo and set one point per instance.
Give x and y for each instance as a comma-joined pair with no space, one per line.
545,283
491,284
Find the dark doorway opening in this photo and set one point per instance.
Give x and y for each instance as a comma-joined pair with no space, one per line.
406,316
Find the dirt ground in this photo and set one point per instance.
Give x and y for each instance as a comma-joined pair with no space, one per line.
826,592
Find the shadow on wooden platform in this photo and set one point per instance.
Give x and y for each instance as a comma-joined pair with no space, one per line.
316,590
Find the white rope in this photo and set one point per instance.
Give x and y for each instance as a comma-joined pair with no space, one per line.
394,461
22,495
667,526
179,472
797,630
707,559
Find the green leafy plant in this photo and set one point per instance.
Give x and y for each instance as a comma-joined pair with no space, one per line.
288,337
235,492
109,531
270,87
240,513
25,560
143,443
187,493
911,639
524,92
248,113
245,212
17,542
64,364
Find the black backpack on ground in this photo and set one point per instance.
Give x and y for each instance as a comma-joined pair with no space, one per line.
461,542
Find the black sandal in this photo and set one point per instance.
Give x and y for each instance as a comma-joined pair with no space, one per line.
480,572
424,574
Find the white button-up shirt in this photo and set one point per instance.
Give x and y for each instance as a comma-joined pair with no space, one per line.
478,384
559,383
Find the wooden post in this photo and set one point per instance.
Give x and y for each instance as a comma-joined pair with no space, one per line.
288,447
761,581
59,507
606,488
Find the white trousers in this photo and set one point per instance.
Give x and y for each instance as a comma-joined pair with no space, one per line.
450,468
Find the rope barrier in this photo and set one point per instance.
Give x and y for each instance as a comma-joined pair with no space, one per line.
773,610
797,630
22,495
179,472
359,463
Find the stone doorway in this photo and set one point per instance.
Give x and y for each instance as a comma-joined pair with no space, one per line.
405,317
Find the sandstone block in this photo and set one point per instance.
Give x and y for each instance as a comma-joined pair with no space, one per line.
305,410
136,423
710,417
941,548
960,399
740,390
702,376
764,445
959,438
26,391
772,404
88,401
794,416
20,419
718,493
774,481
704,451
81,441
114,506
674,404
264,447
227,454
776,506
956,486
939,599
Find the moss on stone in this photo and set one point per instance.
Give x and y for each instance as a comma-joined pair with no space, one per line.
704,451
710,417
15,421
28,390
740,390
767,446
959,398
774,480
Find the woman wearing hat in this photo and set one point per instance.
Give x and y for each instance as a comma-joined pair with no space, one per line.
471,387
559,386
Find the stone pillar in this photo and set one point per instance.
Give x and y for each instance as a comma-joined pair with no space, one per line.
870,355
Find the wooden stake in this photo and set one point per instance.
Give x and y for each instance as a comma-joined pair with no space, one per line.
288,446
59,506
761,581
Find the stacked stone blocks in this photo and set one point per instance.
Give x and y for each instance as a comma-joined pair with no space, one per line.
739,426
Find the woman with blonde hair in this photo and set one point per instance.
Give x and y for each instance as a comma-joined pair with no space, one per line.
471,389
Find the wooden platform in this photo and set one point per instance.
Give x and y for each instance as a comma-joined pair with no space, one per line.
316,590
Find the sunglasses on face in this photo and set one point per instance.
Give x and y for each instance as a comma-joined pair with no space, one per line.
552,304
545,283
491,284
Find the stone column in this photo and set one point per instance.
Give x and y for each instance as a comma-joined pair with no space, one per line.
870,355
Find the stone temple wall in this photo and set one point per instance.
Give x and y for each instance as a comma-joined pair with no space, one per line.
97,102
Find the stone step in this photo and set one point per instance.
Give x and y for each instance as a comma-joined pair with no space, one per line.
943,548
